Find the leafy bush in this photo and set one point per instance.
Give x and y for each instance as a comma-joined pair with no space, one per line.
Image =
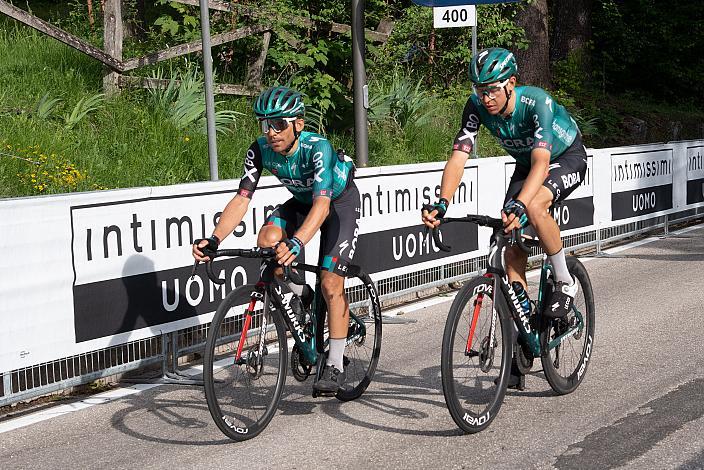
183,101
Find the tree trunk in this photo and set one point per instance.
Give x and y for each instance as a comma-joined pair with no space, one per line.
534,62
91,20
572,27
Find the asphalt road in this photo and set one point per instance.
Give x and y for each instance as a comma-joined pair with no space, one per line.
641,404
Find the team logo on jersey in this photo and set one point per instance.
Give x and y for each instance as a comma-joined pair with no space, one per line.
250,170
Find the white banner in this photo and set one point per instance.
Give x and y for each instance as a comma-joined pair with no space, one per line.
641,183
695,174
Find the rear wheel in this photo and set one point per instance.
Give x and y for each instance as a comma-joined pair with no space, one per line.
476,356
363,343
565,362
243,390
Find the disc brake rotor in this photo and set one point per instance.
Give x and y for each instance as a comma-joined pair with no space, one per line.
486,355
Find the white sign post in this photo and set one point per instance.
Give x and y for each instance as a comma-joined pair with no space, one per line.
455,17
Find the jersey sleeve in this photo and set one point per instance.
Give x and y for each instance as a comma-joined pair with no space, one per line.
324,159
464,142
543,115
252,171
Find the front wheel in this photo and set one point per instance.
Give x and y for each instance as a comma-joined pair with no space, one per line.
567,342
244,368
363,342
476,356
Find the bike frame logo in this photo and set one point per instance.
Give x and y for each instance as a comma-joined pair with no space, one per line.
285,301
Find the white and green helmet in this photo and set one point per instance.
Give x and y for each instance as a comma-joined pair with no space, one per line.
494,64
279,102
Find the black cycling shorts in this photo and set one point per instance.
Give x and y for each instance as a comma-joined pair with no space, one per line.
565,173
338,233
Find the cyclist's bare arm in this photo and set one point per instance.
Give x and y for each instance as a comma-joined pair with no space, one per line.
451,177
231,217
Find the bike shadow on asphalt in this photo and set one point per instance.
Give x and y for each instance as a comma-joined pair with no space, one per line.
415,402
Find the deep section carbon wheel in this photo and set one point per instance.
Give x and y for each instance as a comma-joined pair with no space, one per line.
565,361
245,363
476,356
363,341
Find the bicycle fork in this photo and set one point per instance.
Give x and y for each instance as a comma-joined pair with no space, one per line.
473,324
245,332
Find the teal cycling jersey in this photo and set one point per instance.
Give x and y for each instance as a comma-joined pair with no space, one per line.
537,121
313,170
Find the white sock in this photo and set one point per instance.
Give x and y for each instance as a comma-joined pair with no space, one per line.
559,266
336,353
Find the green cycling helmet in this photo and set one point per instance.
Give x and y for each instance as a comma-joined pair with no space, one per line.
279,102
494,64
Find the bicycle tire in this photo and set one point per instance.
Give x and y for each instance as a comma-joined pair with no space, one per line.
242,398
362,350
565,366
473,399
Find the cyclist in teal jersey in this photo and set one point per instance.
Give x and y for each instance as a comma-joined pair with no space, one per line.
550,161
324,198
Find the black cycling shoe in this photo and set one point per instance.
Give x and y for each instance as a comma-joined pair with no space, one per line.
561,300
330,381
516,380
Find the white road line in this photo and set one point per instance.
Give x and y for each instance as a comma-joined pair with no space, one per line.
117,393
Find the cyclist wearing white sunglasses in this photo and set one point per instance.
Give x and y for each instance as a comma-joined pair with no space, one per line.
550,161
324,198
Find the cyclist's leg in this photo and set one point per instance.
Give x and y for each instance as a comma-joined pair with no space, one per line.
339,232
516,261
515,258
564,177
282,223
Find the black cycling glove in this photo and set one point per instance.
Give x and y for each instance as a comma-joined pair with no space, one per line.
213,243
517,208
440,206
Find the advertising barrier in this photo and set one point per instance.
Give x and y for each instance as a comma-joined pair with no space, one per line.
90,271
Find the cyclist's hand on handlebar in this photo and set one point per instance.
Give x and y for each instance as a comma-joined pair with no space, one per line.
514,215
210,243
431,211
288,250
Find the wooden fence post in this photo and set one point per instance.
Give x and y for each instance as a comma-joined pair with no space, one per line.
256,69
113,35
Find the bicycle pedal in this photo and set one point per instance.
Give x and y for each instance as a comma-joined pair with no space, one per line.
471,353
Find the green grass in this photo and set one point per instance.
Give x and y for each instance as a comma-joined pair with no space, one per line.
129,142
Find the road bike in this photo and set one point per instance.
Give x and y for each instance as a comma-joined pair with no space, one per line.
246,353
480,339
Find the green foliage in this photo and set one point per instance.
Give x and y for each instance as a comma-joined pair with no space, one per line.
46,106
441,57
183,102
402,102
83,108
182,25
651,46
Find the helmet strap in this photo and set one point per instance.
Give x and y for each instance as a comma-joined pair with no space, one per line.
295,138
508,99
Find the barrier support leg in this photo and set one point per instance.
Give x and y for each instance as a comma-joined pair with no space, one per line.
7,384
167,377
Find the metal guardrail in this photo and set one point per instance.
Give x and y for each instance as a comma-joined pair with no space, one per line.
166,349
